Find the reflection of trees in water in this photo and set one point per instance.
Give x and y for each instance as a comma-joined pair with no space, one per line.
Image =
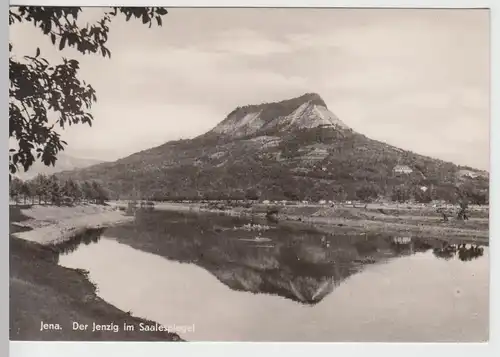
447,252
410,245
442,250
421,245
86,237
465,252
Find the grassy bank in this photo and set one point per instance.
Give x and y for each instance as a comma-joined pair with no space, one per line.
42,291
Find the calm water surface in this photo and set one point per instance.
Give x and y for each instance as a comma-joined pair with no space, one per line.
284,284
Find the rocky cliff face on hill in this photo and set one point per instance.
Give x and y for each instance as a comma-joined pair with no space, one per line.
305,112
293,149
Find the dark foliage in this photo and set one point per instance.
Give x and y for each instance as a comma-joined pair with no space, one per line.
44,95
44,189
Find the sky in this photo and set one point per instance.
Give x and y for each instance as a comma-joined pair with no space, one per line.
417,79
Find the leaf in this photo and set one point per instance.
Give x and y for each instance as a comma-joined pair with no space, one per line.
62,43
158,19
37,52
161,11
53,38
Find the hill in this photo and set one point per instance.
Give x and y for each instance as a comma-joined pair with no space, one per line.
294,149
64,163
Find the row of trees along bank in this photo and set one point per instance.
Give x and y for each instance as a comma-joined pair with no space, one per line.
49,189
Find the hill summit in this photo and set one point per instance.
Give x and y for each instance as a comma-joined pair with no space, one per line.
295,149
306,111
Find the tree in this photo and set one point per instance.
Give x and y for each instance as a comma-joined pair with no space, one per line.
77,191
27,191
15,188
422,196
367,192
252,194
67,189
72,190
40,90
291,194
87,191
100,195
340,194
480,197
473,194
447,193
54,190
40,187
400,194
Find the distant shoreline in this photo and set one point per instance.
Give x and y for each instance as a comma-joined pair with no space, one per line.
53,225
396,219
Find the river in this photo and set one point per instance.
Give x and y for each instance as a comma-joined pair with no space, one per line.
232,281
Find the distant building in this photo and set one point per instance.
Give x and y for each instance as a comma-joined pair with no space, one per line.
322,202
402,169
266,202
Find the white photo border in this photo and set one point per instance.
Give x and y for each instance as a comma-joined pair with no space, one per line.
126,349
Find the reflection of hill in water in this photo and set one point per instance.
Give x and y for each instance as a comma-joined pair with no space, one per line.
303,266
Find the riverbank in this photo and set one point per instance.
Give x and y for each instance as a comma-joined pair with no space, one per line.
416,223
49,225
42,292
403,220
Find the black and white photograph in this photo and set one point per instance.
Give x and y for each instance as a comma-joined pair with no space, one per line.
249,174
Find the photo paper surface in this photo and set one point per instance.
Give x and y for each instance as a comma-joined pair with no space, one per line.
249,174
